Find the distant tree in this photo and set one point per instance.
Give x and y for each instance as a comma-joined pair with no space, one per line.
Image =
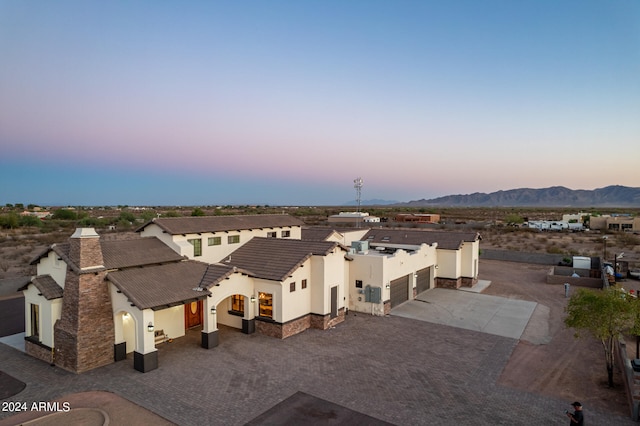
197,212
147,215
19,206
65,214
128,216
29,220
9,205
605,314
514,218
171,213
10,220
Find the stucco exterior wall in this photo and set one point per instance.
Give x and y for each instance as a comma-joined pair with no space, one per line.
449,264
51,265
49,313
171,321
296,303
469,256
216,253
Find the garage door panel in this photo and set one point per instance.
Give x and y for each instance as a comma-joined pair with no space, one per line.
399,290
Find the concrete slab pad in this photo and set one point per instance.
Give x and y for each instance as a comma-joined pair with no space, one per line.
16,341
500,316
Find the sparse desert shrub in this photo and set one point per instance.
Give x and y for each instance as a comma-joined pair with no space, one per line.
554,249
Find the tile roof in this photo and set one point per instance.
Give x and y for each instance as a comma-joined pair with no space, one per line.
275,258
317,234
118,254
217,272
159,286
46,285
445,240
194,225
136,252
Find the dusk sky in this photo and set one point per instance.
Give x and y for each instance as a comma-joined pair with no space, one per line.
286,102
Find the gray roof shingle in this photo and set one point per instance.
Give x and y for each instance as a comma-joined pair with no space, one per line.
159,286
195,225
47,287
118,254
445,240
274,258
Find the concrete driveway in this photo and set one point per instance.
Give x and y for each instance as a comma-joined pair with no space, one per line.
500,316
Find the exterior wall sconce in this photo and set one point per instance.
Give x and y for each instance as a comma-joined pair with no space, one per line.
388,286
150,327
125,315
213,311
436,266
253,299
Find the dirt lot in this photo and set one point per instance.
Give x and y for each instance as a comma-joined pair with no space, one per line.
549,360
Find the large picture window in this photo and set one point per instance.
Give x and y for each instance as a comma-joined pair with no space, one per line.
265,304
197,246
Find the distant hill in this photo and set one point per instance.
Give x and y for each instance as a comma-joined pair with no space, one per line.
372,202
555,196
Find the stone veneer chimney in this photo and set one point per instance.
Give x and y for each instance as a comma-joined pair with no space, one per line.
84,334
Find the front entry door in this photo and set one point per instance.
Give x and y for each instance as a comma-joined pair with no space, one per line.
193,314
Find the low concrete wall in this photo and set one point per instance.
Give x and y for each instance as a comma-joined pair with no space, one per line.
523,257
583,281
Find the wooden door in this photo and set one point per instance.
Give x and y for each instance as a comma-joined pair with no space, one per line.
193,314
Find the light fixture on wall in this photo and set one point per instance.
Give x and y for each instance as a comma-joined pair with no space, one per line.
213,310
125,315
253,299
388,286
150,327
436,266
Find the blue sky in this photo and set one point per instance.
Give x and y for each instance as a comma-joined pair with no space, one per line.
286,102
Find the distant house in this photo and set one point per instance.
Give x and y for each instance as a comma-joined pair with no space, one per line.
417,218
353,217
95,300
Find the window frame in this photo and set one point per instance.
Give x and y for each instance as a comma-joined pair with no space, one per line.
197,246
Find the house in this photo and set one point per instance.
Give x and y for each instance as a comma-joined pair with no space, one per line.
94,300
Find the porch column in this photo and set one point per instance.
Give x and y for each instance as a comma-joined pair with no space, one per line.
120,346
145,357
250,309
209,334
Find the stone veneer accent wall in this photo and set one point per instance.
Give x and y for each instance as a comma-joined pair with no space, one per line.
298,325
39,351
448,283
323,322
469,282
84,334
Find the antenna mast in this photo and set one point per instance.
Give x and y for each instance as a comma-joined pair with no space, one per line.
357,184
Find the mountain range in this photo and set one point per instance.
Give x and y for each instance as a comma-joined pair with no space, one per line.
555,196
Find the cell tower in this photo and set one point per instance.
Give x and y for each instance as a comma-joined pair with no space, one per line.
357,184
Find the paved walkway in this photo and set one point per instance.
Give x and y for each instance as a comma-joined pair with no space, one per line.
395,369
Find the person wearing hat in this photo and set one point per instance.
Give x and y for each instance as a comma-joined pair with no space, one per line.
577,419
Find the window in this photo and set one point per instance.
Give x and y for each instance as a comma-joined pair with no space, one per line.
292,286
35,320
215,241
265,305
304,284
197,246
358,283
233,239
286,234
272,234
237,303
